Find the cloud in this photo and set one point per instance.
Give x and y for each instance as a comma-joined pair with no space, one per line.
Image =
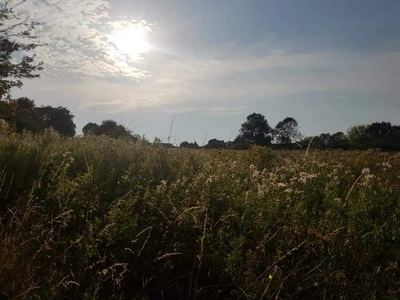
75,32
213,81
87,67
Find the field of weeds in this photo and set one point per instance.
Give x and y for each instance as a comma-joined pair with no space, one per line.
99,218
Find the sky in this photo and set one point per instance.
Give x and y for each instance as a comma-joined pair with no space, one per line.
328,64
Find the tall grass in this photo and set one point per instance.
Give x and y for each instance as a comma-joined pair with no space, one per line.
98,218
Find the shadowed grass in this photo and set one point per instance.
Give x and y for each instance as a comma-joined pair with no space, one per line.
98,218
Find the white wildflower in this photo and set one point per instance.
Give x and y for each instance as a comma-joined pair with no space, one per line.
386,165
302,180
365,171
211,179
304,177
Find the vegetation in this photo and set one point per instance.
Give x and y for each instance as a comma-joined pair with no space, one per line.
106,218
255,130
189,145
286,134
111,216
382,135
109,128
22,115
15,38
287,131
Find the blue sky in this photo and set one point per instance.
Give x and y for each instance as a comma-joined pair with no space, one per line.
328,64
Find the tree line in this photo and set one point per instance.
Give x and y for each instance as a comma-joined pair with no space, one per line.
22,115
286,135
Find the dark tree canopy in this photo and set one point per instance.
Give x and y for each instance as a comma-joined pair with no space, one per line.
58,118
109,128
325,139
215,144
20,114
379,130
255,130
357,134
24,117
186,144
16,37
337,140
287,131
376,135
112,129
90,129
24,103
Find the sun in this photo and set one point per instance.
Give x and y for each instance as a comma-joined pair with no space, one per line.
130,39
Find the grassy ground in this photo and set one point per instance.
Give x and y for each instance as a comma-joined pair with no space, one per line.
97,218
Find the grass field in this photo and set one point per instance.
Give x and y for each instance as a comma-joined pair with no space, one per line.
98,218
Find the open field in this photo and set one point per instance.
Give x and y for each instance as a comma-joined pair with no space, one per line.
103,218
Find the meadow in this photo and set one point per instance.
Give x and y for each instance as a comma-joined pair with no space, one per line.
101,218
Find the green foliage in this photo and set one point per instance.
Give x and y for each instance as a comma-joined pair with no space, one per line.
109,128
337,140
215,144
16,37
255,130
58,118
381,135
287,131
113,219
188,145
22,115
90,129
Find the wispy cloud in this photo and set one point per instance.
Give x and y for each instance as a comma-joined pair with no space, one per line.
177,80
79,46
76,33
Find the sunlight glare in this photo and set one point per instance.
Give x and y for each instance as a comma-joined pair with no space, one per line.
130,39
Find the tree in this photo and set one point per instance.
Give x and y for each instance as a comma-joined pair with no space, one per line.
287,131
112,129
378,131
58,118
255,130
109,128
338,140
308,140
20,114
90,129
376,135
324,141
26,117
357,136
7,109
379,135
215,144
24,103
16,38
186,144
